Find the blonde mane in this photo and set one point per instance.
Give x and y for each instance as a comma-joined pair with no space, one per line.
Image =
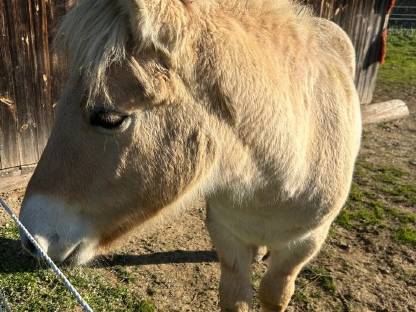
94,34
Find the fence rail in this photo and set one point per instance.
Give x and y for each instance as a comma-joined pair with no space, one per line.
404,16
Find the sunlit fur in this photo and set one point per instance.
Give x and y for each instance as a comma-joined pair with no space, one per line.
250,104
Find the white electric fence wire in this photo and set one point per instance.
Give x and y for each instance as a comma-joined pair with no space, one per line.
48,260
4,305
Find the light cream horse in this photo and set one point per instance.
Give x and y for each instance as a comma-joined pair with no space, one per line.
249,103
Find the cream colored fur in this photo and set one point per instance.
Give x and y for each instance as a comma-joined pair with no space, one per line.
250,104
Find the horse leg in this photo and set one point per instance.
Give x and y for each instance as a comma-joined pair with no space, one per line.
235,260
278,284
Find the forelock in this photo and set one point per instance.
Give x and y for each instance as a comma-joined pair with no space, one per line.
93,36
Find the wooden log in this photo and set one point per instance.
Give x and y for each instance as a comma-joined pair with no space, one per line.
385,111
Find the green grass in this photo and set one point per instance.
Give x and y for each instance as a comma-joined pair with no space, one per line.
314,282
9,230
321,277
406,234
382,196
400,66
30,286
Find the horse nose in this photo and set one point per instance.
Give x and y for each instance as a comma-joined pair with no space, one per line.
29,247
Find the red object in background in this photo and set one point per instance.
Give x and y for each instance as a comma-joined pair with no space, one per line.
383,50
391,6
385,34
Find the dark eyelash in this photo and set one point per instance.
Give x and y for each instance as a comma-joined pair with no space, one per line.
107,119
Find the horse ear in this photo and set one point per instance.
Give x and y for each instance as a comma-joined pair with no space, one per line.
158,22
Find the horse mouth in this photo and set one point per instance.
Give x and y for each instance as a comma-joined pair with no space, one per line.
66,236
76,255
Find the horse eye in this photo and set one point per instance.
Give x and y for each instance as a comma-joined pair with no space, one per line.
107,119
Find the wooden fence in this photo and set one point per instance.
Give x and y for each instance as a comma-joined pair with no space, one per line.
30,80
364,21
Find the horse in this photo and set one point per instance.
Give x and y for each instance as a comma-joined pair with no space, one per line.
249,104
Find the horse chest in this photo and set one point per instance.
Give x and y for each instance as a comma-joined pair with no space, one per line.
270,224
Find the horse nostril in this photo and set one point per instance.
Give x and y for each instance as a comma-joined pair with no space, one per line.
29,246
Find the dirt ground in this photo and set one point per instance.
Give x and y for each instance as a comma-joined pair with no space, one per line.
360,268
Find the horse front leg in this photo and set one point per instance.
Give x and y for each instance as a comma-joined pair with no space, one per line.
278,285
235,260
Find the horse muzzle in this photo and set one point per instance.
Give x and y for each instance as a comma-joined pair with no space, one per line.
61,232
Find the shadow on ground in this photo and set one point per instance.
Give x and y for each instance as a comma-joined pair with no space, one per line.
13,259
169,257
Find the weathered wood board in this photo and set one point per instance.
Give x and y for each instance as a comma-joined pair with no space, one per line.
29,78
364,21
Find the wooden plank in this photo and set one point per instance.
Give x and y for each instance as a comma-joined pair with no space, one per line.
363,21
385,111
42,75
9,152
18,18
377,17
58,66
32,77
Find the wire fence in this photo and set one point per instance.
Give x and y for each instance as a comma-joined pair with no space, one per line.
3,300
404,15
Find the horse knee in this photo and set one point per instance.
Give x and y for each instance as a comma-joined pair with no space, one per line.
276,290
278,285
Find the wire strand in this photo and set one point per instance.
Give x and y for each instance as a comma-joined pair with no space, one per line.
48,260
4,304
